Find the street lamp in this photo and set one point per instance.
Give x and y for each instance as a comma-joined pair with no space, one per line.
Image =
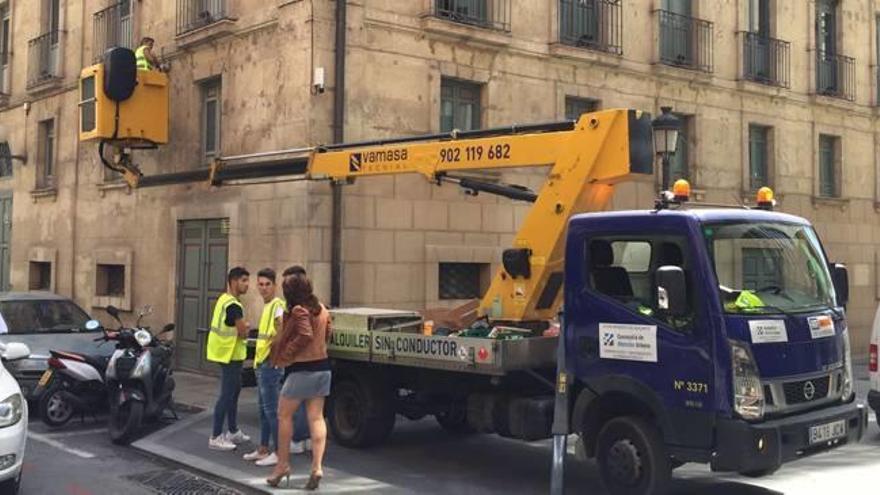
666,127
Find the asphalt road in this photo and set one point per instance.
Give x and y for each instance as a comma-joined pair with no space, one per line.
419,459
79,459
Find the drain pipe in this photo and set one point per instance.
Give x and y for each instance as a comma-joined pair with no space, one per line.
338,137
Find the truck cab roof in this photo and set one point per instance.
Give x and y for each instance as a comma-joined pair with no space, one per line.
702,215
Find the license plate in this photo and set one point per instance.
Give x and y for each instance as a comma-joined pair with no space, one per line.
47,375
828,431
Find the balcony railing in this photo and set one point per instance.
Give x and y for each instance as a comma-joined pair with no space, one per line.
492,14
685,41
194,14
766,60
112,28
835,76
43,58
593,24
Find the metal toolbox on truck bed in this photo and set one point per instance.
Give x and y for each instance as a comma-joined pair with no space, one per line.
362,334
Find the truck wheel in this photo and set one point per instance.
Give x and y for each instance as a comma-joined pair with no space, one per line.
632,458
454,419
360,414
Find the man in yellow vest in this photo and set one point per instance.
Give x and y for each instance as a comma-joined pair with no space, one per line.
227,346
268,376
144,55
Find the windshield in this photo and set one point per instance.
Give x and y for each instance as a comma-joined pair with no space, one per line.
769,267
29,317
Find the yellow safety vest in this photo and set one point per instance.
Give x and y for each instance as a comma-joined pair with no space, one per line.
141,58
224,344
267,330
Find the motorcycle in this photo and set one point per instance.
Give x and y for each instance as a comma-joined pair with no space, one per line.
73,383
139,380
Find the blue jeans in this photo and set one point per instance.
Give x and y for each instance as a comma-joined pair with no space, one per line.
226,407
269,383
301,424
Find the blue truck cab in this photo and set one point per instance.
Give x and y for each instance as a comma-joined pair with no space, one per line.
715,336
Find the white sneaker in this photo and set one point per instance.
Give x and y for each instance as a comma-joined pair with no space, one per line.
220,443
237,437
298,447
255,455
308,444
269,460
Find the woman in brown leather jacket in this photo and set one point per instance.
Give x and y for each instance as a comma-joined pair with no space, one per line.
301,349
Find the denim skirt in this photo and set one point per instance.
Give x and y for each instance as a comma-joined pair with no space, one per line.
306,384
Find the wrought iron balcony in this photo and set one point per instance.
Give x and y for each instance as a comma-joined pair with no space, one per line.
835,76
492,14
592,24
112,28
685,41
766,60
44,55
194,14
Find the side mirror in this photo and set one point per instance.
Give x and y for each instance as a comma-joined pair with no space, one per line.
14,351
148,310
167,328
112,311
93,325
840,278
671,290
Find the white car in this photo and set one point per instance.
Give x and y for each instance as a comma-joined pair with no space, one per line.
13,420
874,393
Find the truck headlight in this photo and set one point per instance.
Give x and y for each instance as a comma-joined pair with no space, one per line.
748,393
847,391
10,411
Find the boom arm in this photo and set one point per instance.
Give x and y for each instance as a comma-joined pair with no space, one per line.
586,160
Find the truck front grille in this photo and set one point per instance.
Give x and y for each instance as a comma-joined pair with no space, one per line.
803,391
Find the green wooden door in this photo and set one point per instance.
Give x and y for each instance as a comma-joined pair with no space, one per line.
201,278
5,239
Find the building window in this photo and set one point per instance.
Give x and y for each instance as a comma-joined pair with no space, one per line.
46,154
765,59
44,51
877,66
493,14
463,280
685,41
110,280
679,163
835,73
5,160
211,119
829,166
459,105
759,156
112,27
5,26
194,14
593,24
40,275
575,107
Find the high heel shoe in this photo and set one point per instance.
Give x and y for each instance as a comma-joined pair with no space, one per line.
314,481
276,480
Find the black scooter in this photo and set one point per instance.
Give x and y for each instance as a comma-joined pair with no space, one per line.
139,381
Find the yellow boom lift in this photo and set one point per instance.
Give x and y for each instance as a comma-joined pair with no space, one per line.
586,159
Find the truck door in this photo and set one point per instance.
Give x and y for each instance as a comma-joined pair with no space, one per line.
621,340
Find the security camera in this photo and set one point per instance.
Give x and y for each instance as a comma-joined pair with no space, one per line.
318,80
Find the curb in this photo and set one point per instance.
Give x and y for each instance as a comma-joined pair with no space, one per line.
153,446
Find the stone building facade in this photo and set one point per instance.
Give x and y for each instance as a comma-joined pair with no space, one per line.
776,92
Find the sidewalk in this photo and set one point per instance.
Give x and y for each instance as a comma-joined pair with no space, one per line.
186,442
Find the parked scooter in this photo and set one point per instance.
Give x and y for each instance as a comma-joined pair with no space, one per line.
73,383
139,381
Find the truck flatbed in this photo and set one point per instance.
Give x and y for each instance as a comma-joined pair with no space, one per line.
361,334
